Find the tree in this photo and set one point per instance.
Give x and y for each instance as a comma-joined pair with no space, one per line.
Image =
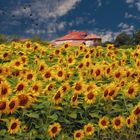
136,37
3,38
122,39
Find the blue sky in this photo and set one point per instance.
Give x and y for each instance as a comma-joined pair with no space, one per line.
50,19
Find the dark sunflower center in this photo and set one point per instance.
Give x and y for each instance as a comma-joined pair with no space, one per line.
131,90
81,65
70,60
48,75
117,122
23,100
97,72
74,98
89,129
64,88
78,135
111,93
108,70
41,68
2,105
103,122
14,125
106,93
35,88
60,73
137,111
17,63
57,96
20,87
90,96
78,87
50,87
128,121
12,104
29,76
54,129
4,91
117,75
5,55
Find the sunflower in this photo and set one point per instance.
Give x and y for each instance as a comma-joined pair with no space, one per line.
89,129
70,60
24,100
103,122
13,105
79,135
132,90
20,87
130,121
14,126
80,66
108,70
7,70
64,87
66,45
118,122
118,74
5,89
98,72
57,51
42,66
17,64
30,76
74,99
54,130
50,87
36,87
24,59
136,111
90,97
106,93
60,74
58,97
48,74
6,55
78,87
113,90
3,105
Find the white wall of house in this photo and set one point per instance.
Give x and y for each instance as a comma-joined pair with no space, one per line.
89,42
67,41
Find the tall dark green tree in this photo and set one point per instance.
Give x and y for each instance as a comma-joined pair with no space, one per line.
122,39
136,37
3,38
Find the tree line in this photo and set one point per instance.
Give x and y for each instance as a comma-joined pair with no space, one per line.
125,40
122,40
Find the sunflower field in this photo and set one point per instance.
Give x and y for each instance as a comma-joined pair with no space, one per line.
69,92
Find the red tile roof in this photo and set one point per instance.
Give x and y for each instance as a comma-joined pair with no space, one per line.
75,35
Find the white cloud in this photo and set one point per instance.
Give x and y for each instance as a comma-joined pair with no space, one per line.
99,3
130,1
35,31
127,15
45,9
126,28
138,5
53,27
108,35
22,12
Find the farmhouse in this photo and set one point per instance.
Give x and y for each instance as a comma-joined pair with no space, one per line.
76,38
